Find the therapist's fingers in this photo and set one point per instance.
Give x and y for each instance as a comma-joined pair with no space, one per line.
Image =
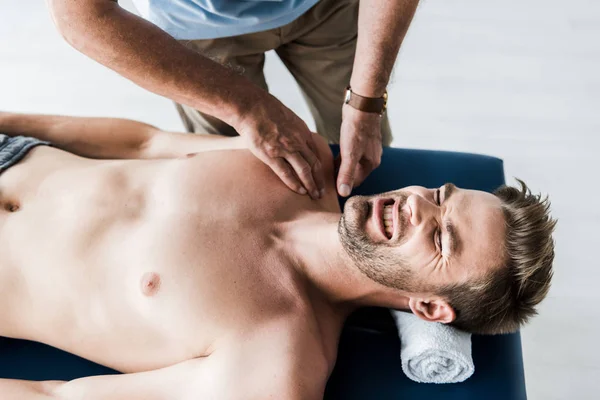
303,166
317,170
362,171
318,173
345,179
286,145
287,175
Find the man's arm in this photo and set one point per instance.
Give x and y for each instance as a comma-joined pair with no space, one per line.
112,137
382,25
13,389
175,382
148,56
193,379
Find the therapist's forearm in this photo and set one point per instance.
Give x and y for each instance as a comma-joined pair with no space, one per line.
382,25
141,52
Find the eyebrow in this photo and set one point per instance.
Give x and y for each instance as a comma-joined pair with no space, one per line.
455,242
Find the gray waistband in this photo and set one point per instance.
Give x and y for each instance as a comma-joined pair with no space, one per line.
13,149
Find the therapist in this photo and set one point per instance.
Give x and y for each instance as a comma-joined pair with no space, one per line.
208,56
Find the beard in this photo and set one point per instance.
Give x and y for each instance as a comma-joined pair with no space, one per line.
377,261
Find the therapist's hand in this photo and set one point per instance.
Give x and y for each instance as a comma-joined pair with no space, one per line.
280,139
360,148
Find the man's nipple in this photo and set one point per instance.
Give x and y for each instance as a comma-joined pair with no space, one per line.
150,283
11,206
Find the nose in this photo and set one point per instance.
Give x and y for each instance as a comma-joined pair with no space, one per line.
420,209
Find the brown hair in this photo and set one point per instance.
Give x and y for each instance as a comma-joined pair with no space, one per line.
506,297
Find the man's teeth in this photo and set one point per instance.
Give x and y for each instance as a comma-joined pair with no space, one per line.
388,222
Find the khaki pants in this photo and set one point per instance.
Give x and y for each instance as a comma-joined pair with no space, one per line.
318,49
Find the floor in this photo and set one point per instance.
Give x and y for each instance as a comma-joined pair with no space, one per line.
514,79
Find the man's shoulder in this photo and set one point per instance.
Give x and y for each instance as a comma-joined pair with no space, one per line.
323,149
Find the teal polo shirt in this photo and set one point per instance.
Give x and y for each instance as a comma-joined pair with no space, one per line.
210,19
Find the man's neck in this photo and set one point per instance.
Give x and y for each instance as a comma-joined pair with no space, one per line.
312,243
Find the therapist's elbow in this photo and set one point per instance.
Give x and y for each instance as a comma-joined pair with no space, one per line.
75,19
64,14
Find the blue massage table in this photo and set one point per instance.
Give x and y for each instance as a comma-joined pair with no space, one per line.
368,365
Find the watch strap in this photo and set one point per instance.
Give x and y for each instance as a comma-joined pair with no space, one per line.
367,104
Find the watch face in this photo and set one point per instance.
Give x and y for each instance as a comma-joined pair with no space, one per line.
348,95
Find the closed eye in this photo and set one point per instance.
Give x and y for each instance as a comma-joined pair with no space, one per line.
438,231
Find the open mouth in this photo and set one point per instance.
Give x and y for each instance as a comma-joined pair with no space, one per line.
388,220
385,212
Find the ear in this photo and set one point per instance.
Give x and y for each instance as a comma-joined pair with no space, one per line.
434,310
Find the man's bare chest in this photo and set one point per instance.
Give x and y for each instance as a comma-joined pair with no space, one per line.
181,253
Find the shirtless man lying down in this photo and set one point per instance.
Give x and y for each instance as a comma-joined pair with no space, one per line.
185,262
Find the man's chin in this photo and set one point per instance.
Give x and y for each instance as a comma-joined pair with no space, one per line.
357,210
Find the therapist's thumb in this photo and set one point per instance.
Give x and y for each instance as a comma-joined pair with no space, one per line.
345,179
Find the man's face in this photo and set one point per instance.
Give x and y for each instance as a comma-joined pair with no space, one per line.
419,239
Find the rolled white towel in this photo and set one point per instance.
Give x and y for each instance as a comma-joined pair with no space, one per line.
432,352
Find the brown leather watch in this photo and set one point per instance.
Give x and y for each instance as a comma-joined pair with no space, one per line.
375,105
